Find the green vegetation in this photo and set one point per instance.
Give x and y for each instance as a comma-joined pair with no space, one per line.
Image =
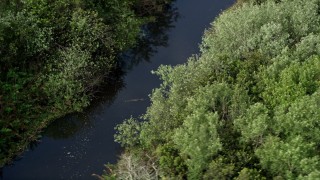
248,107
54,55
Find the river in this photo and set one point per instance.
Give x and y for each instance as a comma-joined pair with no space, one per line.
78,145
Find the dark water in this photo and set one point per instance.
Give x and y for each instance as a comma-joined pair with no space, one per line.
78,145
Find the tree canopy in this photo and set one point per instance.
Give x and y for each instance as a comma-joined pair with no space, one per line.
246,107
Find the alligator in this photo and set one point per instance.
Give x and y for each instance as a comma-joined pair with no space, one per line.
135,100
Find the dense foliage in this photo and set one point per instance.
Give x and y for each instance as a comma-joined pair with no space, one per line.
54,54
248,107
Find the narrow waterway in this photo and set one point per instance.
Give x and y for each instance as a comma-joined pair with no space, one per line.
78,145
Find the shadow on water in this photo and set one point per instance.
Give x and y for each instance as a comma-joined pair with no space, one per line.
154,34
68,126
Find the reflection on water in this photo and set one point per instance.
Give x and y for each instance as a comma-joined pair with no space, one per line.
66,127
153,35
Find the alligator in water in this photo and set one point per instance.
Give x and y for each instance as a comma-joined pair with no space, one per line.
134,100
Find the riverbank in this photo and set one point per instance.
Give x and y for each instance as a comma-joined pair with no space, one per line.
55,66
247,107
